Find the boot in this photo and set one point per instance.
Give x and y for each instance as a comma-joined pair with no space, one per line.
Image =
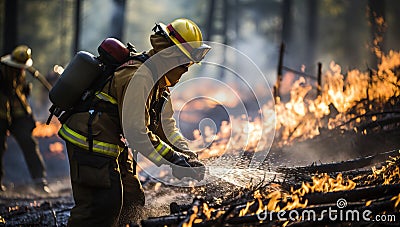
2,187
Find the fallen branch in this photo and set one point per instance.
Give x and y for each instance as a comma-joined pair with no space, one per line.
369,114
163,221
340,166
357,194
379,123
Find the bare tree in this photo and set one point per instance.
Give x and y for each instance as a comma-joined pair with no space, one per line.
312,31
10,25
77,26
118,19
286,20
376,9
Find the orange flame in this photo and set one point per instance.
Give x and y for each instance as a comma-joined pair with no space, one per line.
397,198
302,118
192,217
293,200
325,183
389,174
43,130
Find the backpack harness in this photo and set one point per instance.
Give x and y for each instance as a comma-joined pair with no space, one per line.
97,102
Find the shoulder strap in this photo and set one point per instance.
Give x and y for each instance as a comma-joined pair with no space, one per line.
145,59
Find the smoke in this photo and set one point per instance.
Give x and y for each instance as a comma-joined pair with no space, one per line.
95,23
15,168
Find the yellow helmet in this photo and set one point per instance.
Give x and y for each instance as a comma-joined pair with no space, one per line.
187,36
21,57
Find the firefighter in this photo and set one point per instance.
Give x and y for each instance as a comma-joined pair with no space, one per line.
106,189
16,113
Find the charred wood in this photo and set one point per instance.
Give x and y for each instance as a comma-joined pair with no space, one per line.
341,166
369,114
163,221
357,194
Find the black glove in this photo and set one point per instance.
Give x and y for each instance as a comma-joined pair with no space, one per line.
178,164
199,167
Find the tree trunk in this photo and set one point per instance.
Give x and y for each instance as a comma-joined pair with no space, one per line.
10,31
210,21
352,43
286,21
118,18
376,14
311,39
78,6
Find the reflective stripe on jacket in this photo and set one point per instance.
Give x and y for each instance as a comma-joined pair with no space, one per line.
82,141
162,150
106,97
79,140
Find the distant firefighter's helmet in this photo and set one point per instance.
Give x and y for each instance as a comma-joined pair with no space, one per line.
21,57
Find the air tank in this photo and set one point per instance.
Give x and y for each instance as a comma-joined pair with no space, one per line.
80,73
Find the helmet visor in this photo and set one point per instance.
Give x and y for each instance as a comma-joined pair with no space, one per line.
199,53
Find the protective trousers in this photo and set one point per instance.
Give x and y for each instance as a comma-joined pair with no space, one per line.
21,128
102,193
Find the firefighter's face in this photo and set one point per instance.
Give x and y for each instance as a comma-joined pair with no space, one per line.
173,76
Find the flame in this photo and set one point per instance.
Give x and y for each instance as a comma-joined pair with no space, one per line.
203,213
246,209
397,198
56,147
207,211
192,217
238,134
294,200
302,116
324,183
387,174
274,198
43,130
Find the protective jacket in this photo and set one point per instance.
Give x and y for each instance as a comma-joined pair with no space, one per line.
106,115
13,90
16,117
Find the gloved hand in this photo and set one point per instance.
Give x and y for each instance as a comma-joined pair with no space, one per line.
182,168
192,155
199,166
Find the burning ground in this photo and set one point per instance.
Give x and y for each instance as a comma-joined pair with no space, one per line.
335,150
